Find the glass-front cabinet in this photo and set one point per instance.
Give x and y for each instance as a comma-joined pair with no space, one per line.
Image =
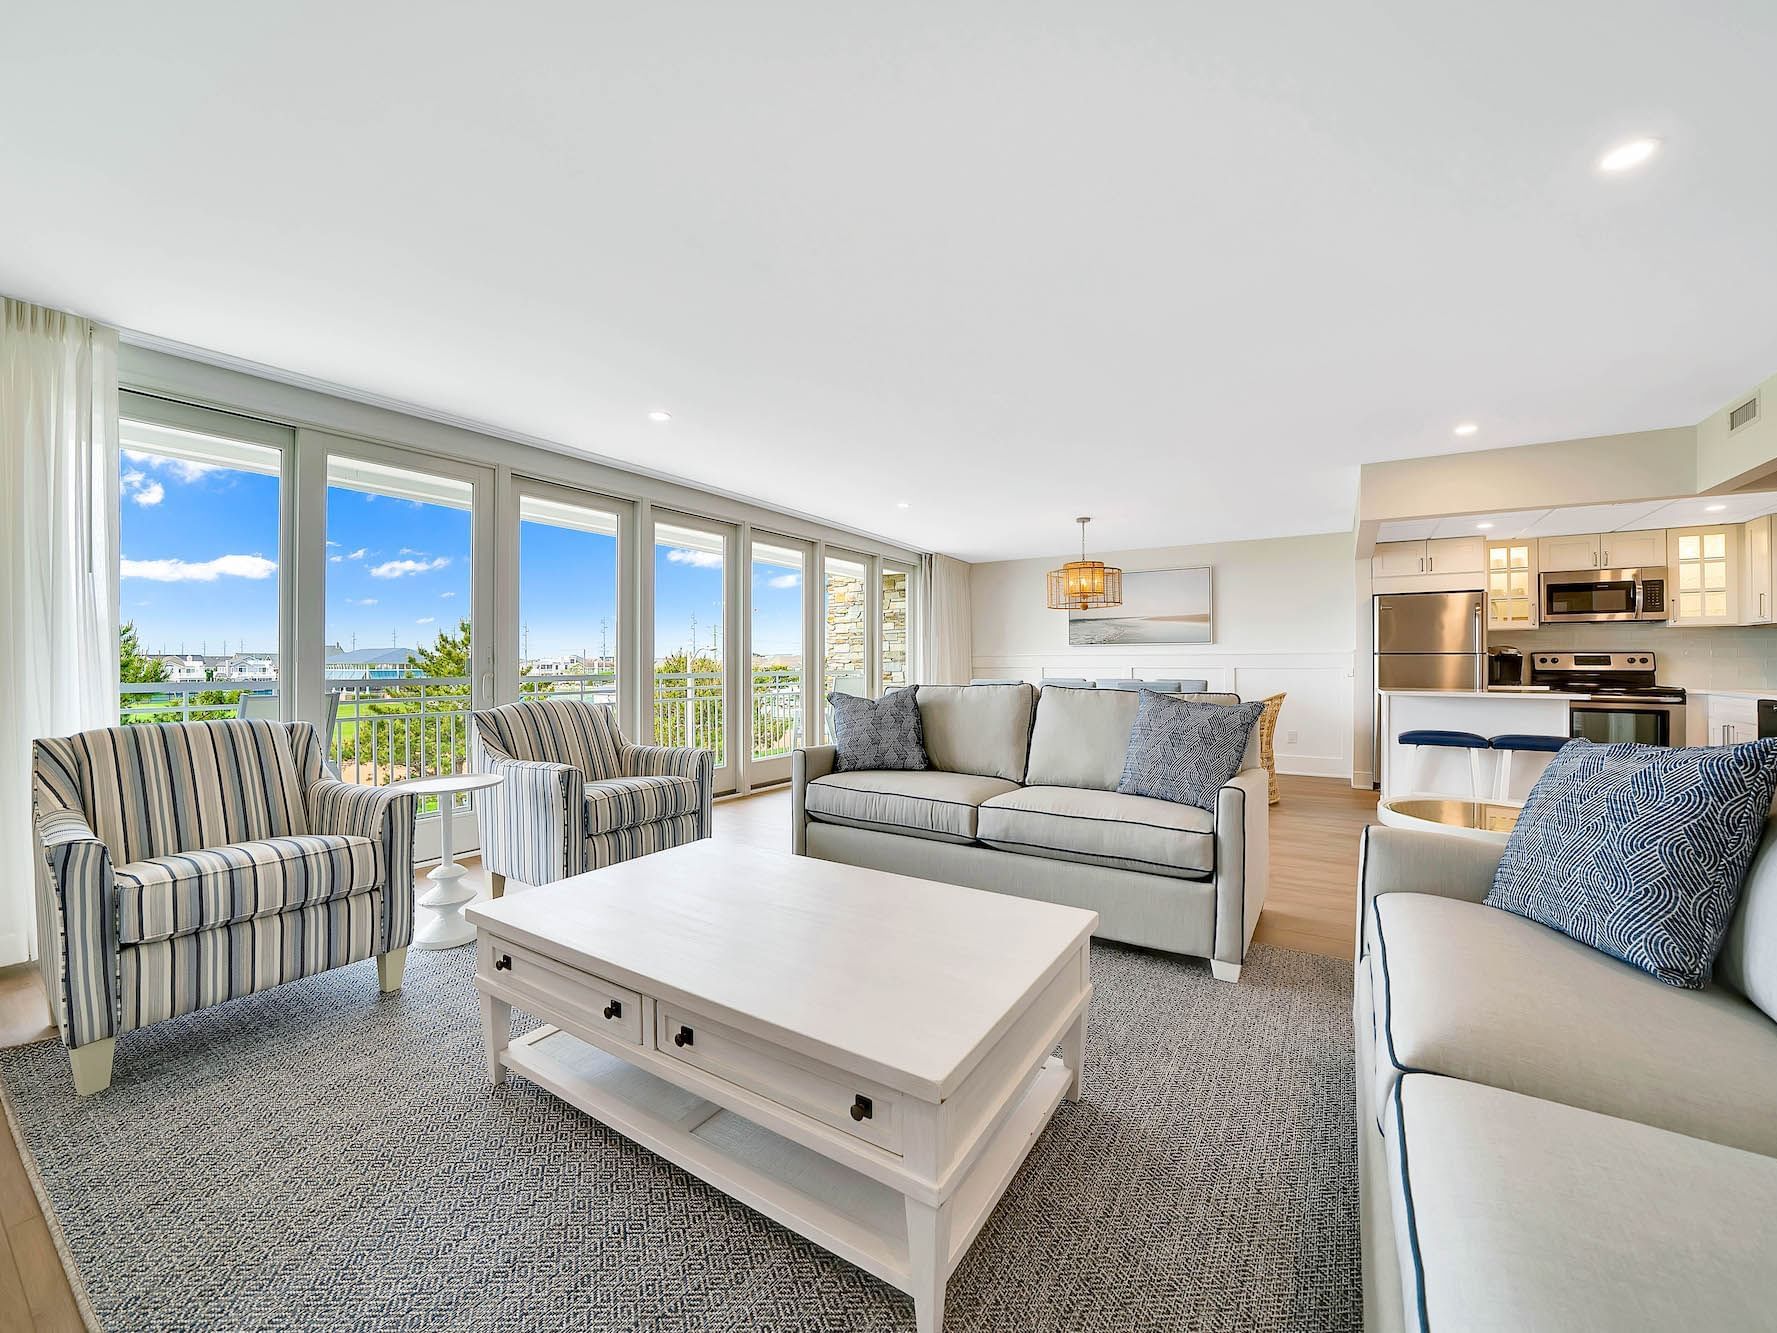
1702,567
1511,585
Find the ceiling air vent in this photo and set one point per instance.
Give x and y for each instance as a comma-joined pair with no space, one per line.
1744,415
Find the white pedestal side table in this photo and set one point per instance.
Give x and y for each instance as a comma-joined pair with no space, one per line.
441,926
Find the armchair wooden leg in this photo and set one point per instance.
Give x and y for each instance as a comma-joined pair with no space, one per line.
498,883
92,1065
389,967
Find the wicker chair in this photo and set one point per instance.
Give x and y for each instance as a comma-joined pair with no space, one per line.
1268,740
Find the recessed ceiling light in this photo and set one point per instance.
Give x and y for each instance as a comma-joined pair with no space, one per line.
902,504
1467,428
1483,526
1713,509
658,415
1628,156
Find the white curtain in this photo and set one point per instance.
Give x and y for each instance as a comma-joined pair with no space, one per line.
946,625
58,566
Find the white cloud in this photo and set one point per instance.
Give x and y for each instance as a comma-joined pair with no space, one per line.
447,594
334,559
199,571
359,554
697,559
783,581
151,494
360,601
408,550
331,542
182,468
394,569
423,620
133,478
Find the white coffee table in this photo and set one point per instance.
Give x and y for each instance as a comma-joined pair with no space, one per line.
442,926
863,1057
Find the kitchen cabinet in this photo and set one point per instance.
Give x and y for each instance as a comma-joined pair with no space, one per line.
1395,560
1511,585
1568,552
1603,550
1758,605
1456,555
1703,575
1445,555
1732,720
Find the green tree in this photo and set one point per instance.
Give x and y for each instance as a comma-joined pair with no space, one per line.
134,666
416,729
700,677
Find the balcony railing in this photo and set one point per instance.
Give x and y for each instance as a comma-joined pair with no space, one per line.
384,731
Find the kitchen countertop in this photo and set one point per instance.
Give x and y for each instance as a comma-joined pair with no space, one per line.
1487,694
1734,694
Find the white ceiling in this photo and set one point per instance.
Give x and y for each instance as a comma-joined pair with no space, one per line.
1692,511
1179,266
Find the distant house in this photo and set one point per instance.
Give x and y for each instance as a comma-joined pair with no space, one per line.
185,669
245,668
371,664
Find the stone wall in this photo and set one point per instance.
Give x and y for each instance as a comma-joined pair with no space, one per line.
847,631
894,629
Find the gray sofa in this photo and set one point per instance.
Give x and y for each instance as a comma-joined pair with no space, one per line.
1549,1138
1022,799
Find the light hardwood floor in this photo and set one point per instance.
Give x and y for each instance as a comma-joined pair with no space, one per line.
1314,837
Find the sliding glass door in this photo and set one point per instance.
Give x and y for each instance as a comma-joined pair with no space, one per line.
691,600
569,579
778,678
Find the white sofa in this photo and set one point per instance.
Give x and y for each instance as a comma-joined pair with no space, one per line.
1550,1139
1021,798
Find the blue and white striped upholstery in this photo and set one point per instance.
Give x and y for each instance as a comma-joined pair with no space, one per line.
577,796
189,863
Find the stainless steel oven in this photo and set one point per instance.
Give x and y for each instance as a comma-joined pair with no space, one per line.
1608,720
1603,594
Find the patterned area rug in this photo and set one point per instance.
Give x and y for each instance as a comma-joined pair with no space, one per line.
314,1158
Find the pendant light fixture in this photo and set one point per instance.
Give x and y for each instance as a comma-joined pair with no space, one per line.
1081,585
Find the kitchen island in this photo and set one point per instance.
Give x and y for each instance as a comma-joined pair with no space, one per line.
1409,770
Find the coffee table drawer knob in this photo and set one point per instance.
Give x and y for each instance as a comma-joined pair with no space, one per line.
683,1037
861,1108
503,963
614,1009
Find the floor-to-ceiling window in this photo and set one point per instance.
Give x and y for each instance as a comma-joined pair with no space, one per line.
399,617
776,590
200,572
568,632
690,645
895,642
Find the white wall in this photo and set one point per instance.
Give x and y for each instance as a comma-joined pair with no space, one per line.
1284,620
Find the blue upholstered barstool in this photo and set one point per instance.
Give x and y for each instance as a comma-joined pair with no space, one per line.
1433,739
1511,743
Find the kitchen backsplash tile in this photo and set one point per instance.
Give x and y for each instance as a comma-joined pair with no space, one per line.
1729,658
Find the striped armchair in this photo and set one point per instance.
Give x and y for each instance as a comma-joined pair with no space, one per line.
189,863
577,796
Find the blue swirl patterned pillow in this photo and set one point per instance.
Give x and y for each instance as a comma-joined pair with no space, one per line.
1639,851
1184,751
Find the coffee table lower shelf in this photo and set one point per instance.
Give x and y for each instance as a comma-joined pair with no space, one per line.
860,1219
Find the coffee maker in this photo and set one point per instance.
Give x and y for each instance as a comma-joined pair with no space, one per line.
1505,665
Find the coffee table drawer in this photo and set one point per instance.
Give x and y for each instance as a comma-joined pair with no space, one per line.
869,1113
611,1008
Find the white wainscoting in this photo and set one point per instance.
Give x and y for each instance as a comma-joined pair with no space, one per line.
1319,686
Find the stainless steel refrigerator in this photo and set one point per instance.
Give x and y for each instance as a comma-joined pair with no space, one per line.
1431,641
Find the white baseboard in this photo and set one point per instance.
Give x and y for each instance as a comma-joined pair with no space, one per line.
1313,765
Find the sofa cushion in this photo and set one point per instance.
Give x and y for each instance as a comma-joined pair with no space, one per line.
931,804
1639,850
979,729
165,896
184,786
1186,752
1748,961
1080,737
1466,990
625,802
1102,828
1522,1214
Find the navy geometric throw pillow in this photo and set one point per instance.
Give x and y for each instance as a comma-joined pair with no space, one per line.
1639,851
1184,751
878,733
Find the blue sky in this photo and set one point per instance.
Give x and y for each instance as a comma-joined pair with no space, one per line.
199,573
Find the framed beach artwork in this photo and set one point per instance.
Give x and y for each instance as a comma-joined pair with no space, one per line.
1159,606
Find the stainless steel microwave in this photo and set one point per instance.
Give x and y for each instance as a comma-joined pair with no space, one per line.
1604,594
